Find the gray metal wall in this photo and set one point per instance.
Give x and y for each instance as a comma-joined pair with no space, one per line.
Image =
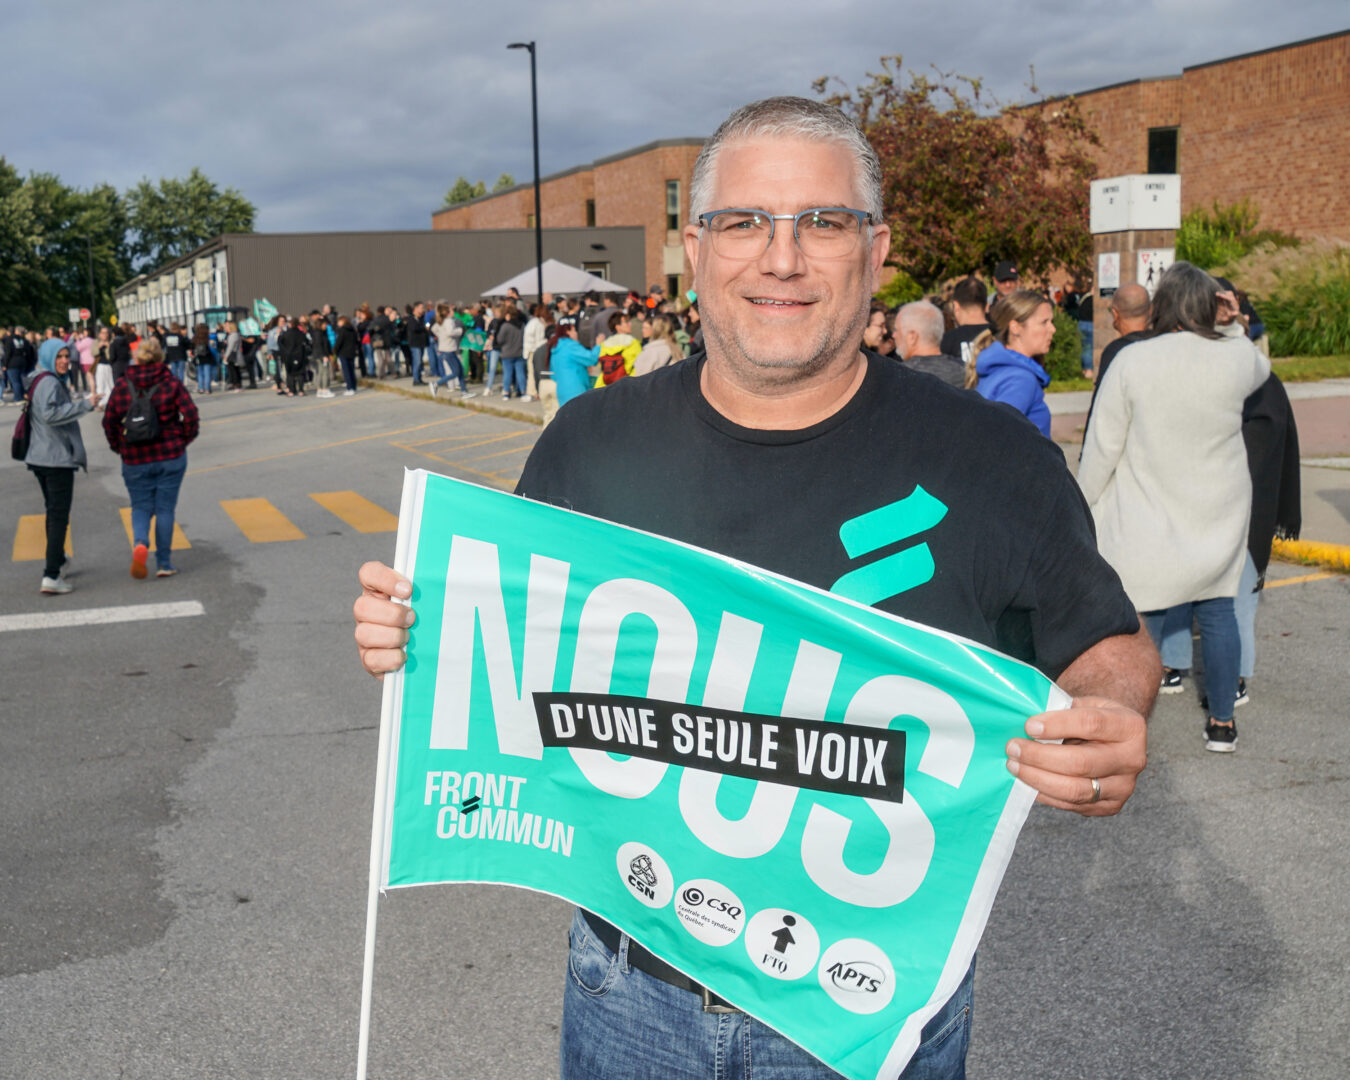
301,271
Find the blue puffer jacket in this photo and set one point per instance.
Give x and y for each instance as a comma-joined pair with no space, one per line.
1018,380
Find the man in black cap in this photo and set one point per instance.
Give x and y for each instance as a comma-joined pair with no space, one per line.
1005,278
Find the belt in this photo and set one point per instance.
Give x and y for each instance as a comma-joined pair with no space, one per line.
644,961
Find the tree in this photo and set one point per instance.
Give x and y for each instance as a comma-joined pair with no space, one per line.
462,191
175,216
967,181
504,181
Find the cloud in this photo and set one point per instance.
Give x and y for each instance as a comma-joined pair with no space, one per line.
349,115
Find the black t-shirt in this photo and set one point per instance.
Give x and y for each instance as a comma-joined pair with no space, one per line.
175,348
1010,561
957,336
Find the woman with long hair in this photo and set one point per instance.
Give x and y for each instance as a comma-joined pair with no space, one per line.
1164,470
55,452
204,353
448,330
661,350
1006,362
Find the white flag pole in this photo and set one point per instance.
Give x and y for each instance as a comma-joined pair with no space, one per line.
390,707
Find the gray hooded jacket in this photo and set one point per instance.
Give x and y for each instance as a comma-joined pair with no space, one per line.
55,440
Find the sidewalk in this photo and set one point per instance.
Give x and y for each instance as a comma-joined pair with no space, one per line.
531,412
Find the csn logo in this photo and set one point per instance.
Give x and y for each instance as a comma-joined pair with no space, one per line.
694,897
642,876
857,977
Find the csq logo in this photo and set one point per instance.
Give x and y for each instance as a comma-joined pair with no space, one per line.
694,898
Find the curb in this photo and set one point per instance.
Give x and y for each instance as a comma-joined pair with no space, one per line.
1313,553
472,404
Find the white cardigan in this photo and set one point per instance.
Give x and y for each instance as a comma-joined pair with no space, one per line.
1164,468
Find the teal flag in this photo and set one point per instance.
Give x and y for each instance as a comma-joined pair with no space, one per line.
796,799
264,311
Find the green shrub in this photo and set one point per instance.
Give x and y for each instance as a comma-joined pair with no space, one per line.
1307,312
1065,358
1223,234
901,289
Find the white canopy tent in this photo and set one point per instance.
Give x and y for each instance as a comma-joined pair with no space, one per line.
558,278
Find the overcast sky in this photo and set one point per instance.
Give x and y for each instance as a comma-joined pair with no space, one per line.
357,115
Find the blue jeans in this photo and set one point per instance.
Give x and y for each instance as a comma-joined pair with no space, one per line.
434,361
348,371
1218,644
179,369
368,353
14,378
513,375
493,356
1085,331
153,488
206,375
1176,633
417,351
453,369
622,1024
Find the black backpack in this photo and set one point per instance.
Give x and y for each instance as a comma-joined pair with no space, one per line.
141,422
23,427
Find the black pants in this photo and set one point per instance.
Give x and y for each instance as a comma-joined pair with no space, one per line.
295,379
58,488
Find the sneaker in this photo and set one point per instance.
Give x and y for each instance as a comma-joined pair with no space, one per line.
54,586
1171,682
349,393
506,393
1221,738
432,388
138,556
526,397
1242,697
165,571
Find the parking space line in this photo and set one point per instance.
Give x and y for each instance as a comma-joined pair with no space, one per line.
260,521
180,540
30,539
357,511
55,619
1322,576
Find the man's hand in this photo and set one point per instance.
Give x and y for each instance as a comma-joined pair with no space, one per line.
381,622
1103,741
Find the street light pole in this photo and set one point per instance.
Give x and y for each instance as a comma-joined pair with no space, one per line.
93,297
538,222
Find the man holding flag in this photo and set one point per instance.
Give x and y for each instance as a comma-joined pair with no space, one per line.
788,447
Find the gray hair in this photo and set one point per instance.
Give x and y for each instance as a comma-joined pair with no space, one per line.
1186,299
791,117
922,317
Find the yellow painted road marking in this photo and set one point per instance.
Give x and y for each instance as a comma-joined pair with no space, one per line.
30,539
358,512
1300,579
260,521
180,540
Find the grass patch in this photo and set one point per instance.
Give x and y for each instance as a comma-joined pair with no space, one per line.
1312,368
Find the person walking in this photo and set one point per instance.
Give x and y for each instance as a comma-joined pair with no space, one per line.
55,452
149,422
1164,471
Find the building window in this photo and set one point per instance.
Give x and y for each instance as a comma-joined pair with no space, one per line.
590,213
673,289
529,221
672,204
599,269
1162,150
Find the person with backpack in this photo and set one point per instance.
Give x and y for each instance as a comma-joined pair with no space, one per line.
50,428
204,355
149,422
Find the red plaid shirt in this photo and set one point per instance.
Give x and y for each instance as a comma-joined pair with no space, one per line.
177,415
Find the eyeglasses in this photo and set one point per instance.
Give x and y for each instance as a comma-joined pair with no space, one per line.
823,232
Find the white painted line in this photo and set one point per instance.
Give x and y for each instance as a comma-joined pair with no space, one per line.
52,620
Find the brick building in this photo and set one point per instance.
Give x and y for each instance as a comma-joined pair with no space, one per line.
1272,126
646,186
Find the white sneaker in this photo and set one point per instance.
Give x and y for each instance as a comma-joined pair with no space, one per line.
349,393
432,388
526,397
54,586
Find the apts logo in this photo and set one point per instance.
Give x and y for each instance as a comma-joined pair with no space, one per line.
857,975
